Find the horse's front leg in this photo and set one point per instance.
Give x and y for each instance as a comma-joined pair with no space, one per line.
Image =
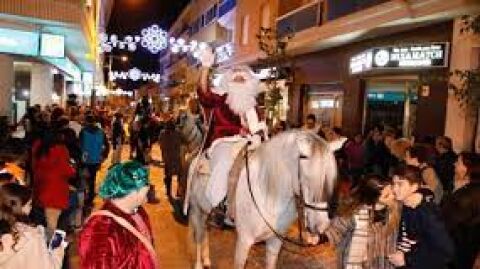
241,252
198,221
273,246
206,251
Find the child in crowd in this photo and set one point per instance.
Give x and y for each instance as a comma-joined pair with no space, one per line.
423,241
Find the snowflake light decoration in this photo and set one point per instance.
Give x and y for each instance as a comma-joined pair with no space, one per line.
154,39
134,74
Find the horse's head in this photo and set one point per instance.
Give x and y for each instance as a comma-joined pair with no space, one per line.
317,175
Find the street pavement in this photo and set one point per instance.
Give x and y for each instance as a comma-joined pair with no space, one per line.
176,250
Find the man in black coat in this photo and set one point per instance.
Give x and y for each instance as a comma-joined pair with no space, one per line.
462,212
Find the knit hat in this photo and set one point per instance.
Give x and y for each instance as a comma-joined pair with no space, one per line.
124,178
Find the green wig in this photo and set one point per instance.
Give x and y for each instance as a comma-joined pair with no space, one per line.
123,179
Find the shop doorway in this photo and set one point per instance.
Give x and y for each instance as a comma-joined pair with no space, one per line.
392,103
326,103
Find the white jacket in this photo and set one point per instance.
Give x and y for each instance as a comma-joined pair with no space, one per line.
30,251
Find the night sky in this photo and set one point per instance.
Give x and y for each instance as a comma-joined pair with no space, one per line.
129,17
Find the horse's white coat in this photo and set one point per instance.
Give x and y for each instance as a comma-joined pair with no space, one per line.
274,170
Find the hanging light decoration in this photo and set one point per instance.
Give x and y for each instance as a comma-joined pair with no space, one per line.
134,74
180,45
152,38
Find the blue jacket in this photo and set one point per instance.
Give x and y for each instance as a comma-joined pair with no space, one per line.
94,145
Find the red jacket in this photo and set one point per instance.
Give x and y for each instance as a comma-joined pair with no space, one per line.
224,121
104,244
51,173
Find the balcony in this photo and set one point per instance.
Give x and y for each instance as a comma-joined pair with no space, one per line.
336,24
337,9
226,6
302,18
213,33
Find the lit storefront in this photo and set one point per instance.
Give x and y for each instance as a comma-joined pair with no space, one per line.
389,80
391,99
41,72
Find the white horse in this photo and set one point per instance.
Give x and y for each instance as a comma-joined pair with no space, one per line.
280,169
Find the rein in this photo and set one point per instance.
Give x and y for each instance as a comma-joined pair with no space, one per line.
300,203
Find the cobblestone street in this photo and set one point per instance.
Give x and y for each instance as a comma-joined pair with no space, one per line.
176,251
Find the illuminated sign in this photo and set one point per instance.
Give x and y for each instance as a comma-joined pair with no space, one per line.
67,66
52,46
361,62
19,42
433,55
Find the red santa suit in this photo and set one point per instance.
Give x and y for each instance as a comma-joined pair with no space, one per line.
228,133
224,122
105,244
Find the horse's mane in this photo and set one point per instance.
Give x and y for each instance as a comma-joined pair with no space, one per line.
280,172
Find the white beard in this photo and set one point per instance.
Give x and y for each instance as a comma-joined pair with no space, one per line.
241,97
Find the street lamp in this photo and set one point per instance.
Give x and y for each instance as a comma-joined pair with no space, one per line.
122,58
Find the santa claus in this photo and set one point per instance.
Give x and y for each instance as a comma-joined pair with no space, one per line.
232,118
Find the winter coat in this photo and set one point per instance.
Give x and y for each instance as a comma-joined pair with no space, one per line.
445,168
377,157
94,144
51,173
118,133
462,217
103,243
30,251
362,235
423,238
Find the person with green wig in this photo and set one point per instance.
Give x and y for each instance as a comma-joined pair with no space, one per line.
119,235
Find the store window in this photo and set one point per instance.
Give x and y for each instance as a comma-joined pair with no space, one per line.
325,102
392,104
21,97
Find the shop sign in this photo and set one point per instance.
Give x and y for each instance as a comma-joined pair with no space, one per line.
52,45
67,66
401,57
19,42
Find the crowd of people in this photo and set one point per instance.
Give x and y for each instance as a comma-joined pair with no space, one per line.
420,199
53,186
421,195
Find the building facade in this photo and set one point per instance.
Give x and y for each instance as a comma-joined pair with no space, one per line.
359,64
209,21
364,63
48,49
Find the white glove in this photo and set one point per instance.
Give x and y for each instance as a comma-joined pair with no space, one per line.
255,141
207,57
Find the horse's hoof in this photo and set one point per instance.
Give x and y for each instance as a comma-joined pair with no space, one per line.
207,264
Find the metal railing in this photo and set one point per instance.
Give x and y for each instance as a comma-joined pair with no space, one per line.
302,18
318,12
337,9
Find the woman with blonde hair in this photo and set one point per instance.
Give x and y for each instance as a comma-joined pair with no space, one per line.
23,245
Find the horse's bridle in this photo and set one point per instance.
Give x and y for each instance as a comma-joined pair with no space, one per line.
301,195
298,197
